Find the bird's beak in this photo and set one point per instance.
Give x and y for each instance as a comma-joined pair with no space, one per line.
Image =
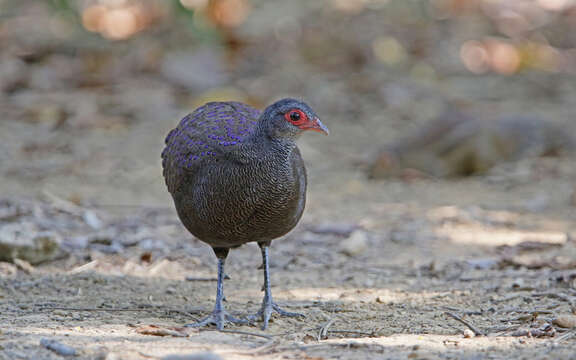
316,125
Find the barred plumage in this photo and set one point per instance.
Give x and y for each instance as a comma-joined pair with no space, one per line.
236,176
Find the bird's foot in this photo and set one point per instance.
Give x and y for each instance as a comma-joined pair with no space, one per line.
218,318
266,311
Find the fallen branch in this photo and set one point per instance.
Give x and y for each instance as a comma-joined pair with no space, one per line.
465,323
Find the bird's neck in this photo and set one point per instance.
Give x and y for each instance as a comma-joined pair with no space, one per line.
272,140
261,147
275,147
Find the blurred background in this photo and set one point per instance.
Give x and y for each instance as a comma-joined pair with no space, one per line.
88,89
448,178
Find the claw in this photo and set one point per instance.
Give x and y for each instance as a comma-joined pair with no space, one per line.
268,305
218,318
265,312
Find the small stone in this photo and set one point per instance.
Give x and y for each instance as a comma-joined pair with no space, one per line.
355,244
59,312
23,241
92,220
518,283
58,347
197,356
566,321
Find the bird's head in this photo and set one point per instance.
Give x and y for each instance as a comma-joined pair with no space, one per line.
288,118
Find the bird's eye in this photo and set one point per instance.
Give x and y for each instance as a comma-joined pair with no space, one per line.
296,117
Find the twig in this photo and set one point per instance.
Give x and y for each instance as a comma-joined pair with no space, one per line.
349,345
559,296
185,313
88,266
496,331
465,323
24,266
567,336
507,298
62,204
466,312
266,347
351,332
346,346
191,278
323,333
93,309
295,332
194,311
147,355
524,311
268,337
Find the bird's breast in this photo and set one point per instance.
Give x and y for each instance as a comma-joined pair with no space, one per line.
228,204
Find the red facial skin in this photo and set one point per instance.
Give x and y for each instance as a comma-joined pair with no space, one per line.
300,119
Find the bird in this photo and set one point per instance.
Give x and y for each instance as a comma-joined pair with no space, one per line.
236,176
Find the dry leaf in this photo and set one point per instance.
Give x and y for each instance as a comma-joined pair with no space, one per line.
156,330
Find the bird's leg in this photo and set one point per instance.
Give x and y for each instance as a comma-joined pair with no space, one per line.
219,316
268,304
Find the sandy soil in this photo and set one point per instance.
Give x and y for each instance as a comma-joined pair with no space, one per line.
425,249
375,266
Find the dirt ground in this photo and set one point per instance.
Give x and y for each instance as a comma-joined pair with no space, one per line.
380,269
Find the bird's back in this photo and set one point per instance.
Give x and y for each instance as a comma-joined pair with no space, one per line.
225,202
203,136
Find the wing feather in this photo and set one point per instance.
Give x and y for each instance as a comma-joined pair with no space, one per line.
205,135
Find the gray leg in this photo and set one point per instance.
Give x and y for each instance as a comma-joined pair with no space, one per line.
219,316
268,305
